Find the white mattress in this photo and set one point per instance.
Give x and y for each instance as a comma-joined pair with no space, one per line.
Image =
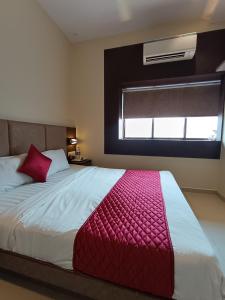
41,221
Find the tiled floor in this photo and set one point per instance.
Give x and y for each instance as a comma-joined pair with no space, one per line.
209,209
13,287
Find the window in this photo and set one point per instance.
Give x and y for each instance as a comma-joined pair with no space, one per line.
138,128
180,111
189,128
202,128
169,127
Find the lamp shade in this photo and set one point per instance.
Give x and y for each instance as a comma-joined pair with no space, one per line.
71,141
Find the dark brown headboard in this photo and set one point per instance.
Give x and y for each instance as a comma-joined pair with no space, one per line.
16,137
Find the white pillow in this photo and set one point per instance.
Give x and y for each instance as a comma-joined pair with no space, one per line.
59,161
9,177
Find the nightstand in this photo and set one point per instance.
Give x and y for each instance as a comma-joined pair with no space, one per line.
84,162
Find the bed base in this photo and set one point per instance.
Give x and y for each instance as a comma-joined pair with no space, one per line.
70,281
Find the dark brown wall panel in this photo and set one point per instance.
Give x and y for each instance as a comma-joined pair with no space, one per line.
124,66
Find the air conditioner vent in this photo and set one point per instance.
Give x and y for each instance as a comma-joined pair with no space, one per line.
171,49
166,56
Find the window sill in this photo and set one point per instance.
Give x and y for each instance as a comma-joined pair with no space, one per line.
167,148
168,139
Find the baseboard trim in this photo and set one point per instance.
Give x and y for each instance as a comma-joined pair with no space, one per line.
220,196
208,191
196,190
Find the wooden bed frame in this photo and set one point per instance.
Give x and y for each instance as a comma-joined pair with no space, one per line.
75,282
15,138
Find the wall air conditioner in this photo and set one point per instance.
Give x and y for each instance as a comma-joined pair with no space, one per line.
177,48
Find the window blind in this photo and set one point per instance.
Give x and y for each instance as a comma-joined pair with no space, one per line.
179,100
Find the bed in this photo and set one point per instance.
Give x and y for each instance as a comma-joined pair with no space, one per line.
36,220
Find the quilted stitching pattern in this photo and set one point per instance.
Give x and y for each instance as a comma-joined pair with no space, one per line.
126,240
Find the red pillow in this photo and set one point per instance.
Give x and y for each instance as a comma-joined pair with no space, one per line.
36,165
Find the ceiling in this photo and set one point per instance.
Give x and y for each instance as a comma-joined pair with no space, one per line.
89,19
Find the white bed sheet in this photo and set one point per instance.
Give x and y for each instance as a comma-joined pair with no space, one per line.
16,196
41,221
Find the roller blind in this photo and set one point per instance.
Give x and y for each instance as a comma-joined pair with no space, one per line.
181,100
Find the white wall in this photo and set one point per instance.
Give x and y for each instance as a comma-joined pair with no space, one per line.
34,65
88,109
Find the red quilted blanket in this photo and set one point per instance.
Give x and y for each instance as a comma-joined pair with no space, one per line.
126,240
